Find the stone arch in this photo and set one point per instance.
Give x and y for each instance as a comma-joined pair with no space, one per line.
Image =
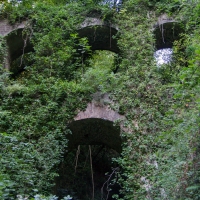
95,125
6,28
17,45
15,41
94,141
166,31
100,34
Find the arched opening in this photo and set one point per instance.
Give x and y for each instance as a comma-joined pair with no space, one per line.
98,70
166,32
88,170
101,34
100,37
18,45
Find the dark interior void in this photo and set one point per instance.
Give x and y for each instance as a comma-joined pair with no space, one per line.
166,34
18,46
95,131
18,66
75,175
100,37
93,144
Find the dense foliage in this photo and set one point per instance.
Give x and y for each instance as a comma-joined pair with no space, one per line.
46,87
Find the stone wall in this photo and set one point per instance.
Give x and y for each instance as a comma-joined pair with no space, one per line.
6,27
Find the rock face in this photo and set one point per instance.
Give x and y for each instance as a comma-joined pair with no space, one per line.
95,126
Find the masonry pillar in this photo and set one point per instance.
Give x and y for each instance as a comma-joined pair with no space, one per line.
6,62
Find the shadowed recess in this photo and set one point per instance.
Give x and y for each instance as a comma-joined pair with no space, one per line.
166,34
100,37
94,143
17,44
94,131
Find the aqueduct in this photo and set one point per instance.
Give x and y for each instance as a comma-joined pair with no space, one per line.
95,125
100,35
95,120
